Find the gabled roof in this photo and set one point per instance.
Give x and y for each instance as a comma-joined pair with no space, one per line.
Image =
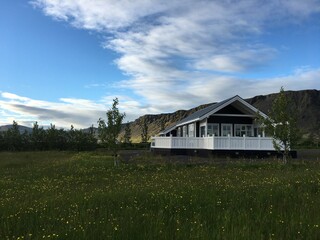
200,113
206,112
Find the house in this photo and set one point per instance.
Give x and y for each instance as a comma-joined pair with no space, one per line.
228,127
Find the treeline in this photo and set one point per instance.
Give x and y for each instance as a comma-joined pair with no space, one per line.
47,139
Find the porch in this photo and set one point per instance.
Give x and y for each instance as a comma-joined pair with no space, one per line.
213,143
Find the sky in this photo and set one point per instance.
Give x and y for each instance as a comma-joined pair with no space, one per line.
64,61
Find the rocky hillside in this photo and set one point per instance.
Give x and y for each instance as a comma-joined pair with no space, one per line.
306,103
307,106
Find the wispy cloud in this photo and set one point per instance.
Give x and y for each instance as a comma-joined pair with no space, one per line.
180,53
79,112
82,113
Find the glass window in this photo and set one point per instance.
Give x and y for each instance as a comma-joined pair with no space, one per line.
237,130
213,129
249,131
226,129
241,129
202,131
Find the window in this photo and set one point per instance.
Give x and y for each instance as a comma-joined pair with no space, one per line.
191,130
213,129
226,129
202,131
241,129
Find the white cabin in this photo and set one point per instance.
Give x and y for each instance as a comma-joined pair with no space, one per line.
228,125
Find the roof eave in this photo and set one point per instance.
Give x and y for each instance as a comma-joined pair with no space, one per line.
190,121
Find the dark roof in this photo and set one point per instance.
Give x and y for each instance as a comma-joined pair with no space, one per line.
197,114
202,112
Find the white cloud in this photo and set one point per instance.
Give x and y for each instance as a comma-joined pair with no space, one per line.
82,113
178,52
79,112
99,14
230,62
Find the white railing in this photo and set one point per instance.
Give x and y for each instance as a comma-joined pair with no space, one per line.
214,143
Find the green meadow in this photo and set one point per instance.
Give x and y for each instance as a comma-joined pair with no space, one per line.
65,195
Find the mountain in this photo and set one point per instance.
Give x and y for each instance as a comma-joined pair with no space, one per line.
22,129
306,103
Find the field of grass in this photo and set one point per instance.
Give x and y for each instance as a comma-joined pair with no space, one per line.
58,195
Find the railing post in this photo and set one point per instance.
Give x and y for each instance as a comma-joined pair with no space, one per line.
229,142
244,141
213,142
259,142
170,142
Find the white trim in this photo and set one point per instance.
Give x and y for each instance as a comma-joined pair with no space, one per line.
234,115
185,131
184,123
191,129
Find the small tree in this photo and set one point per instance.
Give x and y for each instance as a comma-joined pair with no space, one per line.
108,132
144,129
13,137
127,134
52,137
37,137
282,125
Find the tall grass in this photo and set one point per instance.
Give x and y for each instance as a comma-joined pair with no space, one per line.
56,195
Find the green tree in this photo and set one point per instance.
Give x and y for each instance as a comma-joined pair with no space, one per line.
72,138
127,134
108,132
37,137
13,137
144,129
92,138
25,141
2,141
53,137
282,125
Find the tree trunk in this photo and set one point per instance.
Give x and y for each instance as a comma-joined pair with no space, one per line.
115,159
285,154
285,160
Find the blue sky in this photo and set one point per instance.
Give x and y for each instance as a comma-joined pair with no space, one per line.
63,62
